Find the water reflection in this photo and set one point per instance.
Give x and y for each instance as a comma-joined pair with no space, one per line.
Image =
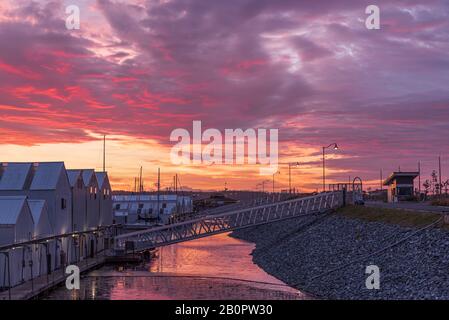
218,267
219,255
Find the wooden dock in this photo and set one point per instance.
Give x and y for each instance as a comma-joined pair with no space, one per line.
33,288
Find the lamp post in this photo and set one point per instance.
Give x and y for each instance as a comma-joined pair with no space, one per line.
324,163
263,185
277,172
290,165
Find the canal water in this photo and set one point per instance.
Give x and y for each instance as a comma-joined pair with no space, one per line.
216,267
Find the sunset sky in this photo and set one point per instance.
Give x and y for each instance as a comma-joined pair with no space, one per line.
138,69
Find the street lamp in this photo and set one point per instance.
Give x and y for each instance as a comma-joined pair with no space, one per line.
277,172
290,165
263,185
324,163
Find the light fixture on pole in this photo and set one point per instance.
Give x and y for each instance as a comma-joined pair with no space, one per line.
277,172
263,185
335,147
290,165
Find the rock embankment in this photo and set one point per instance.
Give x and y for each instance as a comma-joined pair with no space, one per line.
302,252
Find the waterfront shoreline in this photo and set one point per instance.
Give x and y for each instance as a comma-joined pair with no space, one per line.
314,255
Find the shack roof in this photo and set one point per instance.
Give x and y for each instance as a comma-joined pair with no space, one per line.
396,175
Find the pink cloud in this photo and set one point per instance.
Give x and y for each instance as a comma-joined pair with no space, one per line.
310,69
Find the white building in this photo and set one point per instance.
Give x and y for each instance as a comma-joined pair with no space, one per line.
43,181
42,229
16,225
43,199
138,208
42,225
92,198
105,195
79,200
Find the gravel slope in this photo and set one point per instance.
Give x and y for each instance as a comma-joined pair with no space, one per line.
297,251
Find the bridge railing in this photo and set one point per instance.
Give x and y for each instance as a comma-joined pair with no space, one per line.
214,224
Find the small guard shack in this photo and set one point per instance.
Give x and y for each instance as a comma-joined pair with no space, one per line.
400,186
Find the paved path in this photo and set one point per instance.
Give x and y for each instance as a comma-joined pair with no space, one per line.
413,206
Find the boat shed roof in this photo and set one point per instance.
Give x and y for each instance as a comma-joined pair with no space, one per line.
47,175
14,175
73,175
101,178
36,208
10,209
87,175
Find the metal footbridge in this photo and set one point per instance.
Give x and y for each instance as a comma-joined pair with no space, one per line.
224,222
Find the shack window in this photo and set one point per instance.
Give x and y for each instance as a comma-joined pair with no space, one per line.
405,191
63,203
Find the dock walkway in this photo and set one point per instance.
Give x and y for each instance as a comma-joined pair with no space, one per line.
33,288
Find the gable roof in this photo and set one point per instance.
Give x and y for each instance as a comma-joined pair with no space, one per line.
47,175
102,177
36,208
10,209
73,175
14,175
395,175
87,176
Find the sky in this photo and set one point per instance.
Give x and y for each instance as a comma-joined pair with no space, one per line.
136,70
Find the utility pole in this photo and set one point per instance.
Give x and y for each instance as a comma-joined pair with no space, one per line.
324,171
439,173
277,172
289,178
140,180
104,153
290,164
381,180
324,163
158,189
419,177
263,185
